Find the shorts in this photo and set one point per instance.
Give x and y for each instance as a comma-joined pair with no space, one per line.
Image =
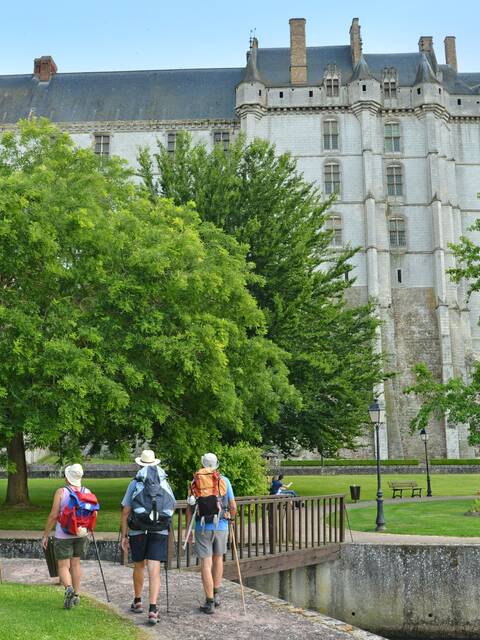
210,543
66,548
149,546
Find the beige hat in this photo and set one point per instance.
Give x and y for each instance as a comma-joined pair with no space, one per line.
147,459
74,475
210,460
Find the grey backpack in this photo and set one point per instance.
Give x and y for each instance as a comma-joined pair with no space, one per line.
153,502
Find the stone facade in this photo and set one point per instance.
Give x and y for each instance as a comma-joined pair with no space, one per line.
397,135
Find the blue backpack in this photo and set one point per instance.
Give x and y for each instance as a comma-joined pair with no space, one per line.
153,502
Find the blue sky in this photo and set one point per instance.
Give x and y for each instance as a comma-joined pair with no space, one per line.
95,35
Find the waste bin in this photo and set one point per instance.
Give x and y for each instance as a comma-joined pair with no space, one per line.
355,492
51,559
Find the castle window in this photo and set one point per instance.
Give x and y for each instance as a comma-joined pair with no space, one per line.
171,142
332,178
334,223
392,137
399,276
222,138
330,135
389,82
280,94
459,101
102,144
398,236
331,80
394,180
310,94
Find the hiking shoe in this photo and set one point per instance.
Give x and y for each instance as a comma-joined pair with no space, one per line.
136,607
216,599
153,617
208,607
75,599
68,598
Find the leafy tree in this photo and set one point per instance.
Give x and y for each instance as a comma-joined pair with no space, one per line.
120,318
263,201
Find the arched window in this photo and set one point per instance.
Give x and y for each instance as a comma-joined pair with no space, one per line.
392,137
390,82
332,178
398,237
334,223
331,80
330,134
394,180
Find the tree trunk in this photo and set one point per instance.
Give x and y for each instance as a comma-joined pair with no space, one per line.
17,487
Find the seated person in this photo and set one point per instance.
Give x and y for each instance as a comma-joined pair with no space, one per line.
278,488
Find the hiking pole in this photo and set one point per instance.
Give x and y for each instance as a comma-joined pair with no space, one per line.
189,530
100,565
166,586
234,545
348,522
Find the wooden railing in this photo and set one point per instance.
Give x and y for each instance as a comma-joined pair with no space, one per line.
268,526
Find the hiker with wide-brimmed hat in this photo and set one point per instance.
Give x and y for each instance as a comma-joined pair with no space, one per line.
70,543
212,503
148,507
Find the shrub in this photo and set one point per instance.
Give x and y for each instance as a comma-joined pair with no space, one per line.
460,461
245,467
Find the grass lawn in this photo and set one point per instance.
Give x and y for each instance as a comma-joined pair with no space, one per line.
36,612
420,518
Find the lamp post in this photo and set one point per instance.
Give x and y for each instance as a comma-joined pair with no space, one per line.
377,416
424,437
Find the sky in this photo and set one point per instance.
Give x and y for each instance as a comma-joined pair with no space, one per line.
106,35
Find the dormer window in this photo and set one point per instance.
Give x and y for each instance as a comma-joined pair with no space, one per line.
390,83
331,80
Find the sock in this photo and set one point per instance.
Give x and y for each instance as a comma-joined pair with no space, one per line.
152,607
216,590
209,599
137,600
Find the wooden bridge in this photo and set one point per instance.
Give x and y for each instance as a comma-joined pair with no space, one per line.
273,533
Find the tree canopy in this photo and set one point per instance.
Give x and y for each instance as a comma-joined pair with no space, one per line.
121,318
261,199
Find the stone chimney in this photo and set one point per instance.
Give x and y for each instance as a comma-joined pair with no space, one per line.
425,44
451,52
355,42
298,51
44,68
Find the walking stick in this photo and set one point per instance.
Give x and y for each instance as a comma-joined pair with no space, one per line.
100,565
189,530
234,545
166,586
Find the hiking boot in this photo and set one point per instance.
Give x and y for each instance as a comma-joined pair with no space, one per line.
216,599
68,598
153,617
136,607
209,606
75,599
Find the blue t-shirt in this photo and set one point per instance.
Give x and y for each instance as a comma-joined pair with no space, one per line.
223,523
127,502
275,487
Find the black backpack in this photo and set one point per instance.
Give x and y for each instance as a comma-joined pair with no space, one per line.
153,502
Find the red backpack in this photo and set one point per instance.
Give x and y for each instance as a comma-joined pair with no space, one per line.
80,511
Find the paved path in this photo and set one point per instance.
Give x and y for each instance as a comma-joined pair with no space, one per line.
267,618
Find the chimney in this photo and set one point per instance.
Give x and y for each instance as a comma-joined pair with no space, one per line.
451,52
425,44
355,42
298,51
44,68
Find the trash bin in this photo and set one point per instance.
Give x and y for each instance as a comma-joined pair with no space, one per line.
51,559
355,492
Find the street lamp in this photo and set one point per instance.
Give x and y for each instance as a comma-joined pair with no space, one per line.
424,437
377,416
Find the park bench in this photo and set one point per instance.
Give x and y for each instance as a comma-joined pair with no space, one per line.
400,487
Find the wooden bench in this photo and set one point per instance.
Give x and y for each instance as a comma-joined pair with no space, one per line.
400,487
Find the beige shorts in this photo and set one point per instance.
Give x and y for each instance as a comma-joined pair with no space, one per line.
210,543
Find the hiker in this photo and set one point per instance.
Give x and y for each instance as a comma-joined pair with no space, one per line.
148,506
214,509
70,543
278,488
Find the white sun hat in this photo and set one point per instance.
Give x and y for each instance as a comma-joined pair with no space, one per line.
147,458
210,460
74,475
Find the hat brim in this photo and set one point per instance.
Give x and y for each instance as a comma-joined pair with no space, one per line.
147,464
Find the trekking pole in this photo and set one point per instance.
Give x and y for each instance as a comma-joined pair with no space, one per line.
189,531
100,565
166,586
234,545
348,522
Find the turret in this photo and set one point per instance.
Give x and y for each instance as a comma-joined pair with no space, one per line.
364,86
251,89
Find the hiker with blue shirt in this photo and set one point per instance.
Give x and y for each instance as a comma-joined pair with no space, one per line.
148,507
212,503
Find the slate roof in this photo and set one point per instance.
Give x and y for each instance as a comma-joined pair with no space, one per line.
186,94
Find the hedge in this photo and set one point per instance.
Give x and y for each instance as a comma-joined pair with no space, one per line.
454,461
348,462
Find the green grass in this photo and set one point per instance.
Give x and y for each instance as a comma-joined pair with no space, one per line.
420,518
36,612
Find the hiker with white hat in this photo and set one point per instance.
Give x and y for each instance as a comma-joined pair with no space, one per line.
70,544
212,504
148,507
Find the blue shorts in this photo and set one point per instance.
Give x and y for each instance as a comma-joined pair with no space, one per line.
149,546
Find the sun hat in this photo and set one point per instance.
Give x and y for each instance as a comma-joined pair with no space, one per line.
147,458
74,474
210,460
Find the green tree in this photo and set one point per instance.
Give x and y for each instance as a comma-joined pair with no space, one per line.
263,201
120,319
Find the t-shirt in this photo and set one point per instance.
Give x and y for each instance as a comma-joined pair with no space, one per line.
127,502
275,487
223,523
